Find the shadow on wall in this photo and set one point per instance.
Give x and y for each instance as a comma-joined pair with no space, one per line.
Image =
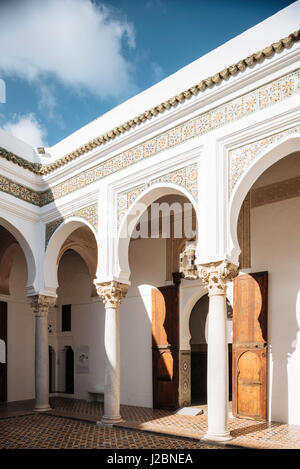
285,386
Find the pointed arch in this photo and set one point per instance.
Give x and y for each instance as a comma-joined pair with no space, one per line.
25,246
134,212
58,245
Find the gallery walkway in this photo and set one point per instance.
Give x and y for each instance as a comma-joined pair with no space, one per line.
245,433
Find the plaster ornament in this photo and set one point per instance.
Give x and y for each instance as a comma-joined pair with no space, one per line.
216,275
112,293
187,265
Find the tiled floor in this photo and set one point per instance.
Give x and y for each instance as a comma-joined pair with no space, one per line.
245,433
44,431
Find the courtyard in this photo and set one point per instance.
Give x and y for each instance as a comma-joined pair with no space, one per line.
72,424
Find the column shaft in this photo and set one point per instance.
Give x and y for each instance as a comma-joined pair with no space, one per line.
217,369
41,305
216,275
111,293
112,366
41,364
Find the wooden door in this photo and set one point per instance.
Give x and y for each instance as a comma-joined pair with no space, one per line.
249,355
165,347
3,366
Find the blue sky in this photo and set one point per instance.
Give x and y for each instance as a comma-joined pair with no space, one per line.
66,62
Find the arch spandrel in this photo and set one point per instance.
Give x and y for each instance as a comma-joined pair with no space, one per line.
289,143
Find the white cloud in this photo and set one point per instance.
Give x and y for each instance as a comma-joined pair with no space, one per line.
27,128
78,42
47,100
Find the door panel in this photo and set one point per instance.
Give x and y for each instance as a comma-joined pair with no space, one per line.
165,345
249,357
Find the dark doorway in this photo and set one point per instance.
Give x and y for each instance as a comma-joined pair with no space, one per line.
51,369
69,370
198,330
3,337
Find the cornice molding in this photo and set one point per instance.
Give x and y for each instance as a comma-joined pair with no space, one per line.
232,70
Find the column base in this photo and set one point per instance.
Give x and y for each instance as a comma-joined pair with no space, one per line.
42,408
217,437
110,421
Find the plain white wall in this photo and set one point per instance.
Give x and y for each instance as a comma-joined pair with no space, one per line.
88,316
20,335
275,244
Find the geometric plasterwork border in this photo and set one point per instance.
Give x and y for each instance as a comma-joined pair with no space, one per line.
241,158
227,113
186,177
89,213
249,103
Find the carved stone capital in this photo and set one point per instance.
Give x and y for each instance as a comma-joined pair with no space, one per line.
112,293
41,304
216,275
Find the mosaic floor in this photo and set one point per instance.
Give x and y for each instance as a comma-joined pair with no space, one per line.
43,431
245,433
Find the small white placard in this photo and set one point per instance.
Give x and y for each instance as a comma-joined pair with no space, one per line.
82,359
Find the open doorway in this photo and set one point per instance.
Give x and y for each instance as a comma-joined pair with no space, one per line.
199,333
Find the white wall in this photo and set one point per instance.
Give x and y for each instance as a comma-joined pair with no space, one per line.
147,259
275,236
88,317
20,335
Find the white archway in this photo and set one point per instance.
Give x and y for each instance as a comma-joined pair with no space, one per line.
255,170
52,255
186,307
153,193
30,261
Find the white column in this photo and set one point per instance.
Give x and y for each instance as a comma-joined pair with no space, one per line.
41,305
112,294
217,274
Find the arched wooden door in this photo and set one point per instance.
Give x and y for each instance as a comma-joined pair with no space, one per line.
249,361
165,347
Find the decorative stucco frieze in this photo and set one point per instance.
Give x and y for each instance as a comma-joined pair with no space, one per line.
251,102
20,191
89,213
241,158
174,136
185,177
